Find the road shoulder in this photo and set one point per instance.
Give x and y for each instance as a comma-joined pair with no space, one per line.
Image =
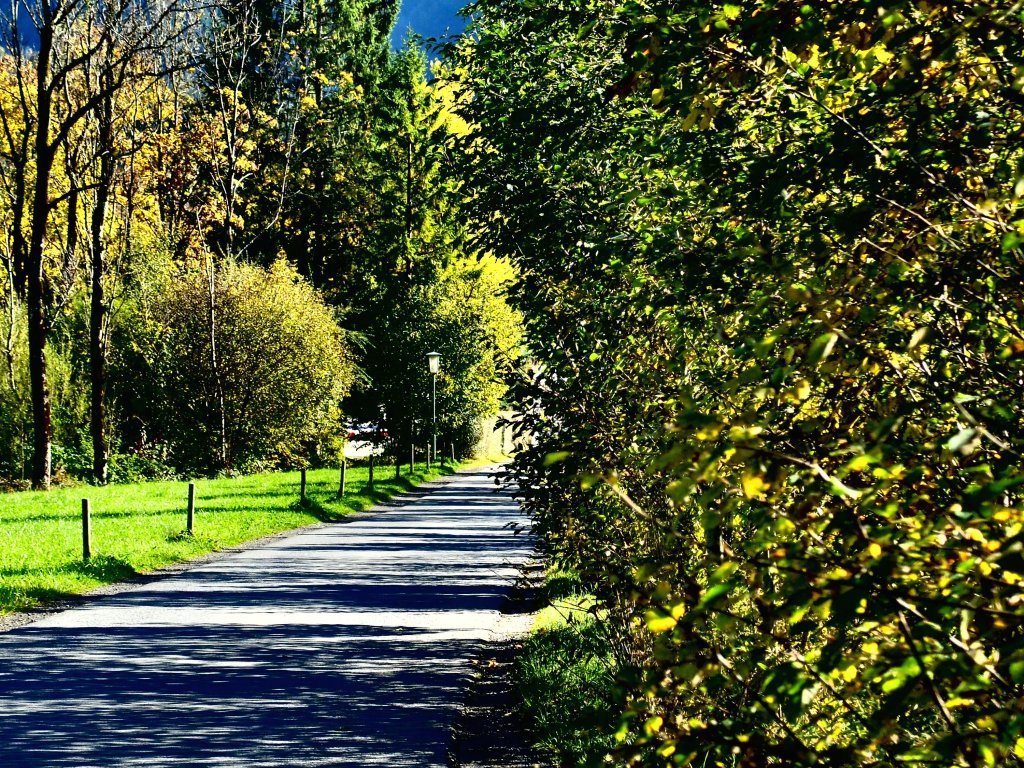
490,731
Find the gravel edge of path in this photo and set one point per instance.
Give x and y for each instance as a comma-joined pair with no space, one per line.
490,730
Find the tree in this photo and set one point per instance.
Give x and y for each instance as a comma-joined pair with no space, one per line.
417,287
462,315
282,77
72,38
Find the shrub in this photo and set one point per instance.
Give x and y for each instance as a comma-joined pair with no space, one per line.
265,386
772,268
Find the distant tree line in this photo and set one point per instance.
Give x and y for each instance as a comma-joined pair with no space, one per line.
219,220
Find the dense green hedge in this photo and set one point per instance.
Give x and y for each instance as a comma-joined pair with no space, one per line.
771,264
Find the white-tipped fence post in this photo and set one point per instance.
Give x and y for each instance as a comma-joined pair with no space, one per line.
341,481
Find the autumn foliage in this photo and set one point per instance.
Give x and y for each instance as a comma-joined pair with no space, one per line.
771,261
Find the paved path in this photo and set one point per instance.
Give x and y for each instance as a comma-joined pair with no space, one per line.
338,645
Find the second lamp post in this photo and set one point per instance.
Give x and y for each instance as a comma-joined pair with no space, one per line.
434,364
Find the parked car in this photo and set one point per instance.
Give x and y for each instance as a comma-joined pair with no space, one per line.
366,432
364,439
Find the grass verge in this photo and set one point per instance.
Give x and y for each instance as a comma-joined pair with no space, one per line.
565,676
139,528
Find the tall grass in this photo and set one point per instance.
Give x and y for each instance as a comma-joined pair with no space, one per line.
565,676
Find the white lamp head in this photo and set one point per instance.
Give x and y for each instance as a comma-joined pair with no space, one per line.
434,361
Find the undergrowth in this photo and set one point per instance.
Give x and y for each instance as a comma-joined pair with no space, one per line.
565,676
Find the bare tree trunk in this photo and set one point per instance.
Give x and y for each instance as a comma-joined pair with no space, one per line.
18,247
37,324
215,363
98,305
9,340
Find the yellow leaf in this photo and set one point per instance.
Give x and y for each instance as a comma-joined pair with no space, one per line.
709,431
974,534
958,701
800,391
658,623
741,434
859,463
882,54
691,119
653,725
814,61
754,485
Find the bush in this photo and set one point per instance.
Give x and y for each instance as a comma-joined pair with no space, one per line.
772,265
282,367
149,464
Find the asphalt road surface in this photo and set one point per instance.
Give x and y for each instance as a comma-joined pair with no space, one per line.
345,644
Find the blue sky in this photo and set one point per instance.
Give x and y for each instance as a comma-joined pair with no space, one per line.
429,18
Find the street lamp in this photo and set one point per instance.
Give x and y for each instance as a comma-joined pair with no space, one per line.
434,364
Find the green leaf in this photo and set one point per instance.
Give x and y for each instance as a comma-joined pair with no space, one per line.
713,593
586,29
723,572
960,439
1012,240
821,347
555,457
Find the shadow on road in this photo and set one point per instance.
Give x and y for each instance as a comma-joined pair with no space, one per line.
340,645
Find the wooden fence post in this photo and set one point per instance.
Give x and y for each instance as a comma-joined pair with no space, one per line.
412,458
190,519
341,482
428,457
371,472
302,487
86,530
453,452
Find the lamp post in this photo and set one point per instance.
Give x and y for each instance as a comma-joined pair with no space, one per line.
434,364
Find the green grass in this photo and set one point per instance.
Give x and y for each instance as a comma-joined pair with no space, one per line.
139,528
565,676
